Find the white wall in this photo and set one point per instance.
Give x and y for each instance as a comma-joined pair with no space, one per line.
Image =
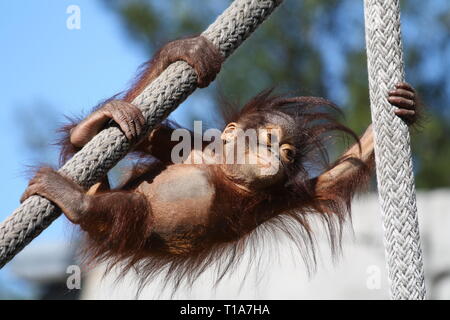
354,276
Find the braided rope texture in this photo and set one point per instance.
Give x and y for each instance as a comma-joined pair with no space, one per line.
159,99
393,152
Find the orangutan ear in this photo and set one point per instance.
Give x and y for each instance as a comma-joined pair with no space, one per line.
229,132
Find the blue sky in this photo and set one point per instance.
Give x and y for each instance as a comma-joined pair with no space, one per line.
43,61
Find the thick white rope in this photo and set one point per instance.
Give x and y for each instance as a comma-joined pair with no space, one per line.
160,98
393,152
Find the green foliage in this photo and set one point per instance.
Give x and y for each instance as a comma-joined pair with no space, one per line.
316,47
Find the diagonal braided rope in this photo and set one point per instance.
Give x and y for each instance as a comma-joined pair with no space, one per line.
393,152
160,98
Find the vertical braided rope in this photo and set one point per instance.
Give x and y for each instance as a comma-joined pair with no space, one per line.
393,152
160,98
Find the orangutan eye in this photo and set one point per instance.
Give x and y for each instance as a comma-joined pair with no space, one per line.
288,153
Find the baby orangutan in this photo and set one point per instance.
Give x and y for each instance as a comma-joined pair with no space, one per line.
185,216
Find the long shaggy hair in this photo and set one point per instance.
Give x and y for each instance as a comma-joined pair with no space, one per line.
240,220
